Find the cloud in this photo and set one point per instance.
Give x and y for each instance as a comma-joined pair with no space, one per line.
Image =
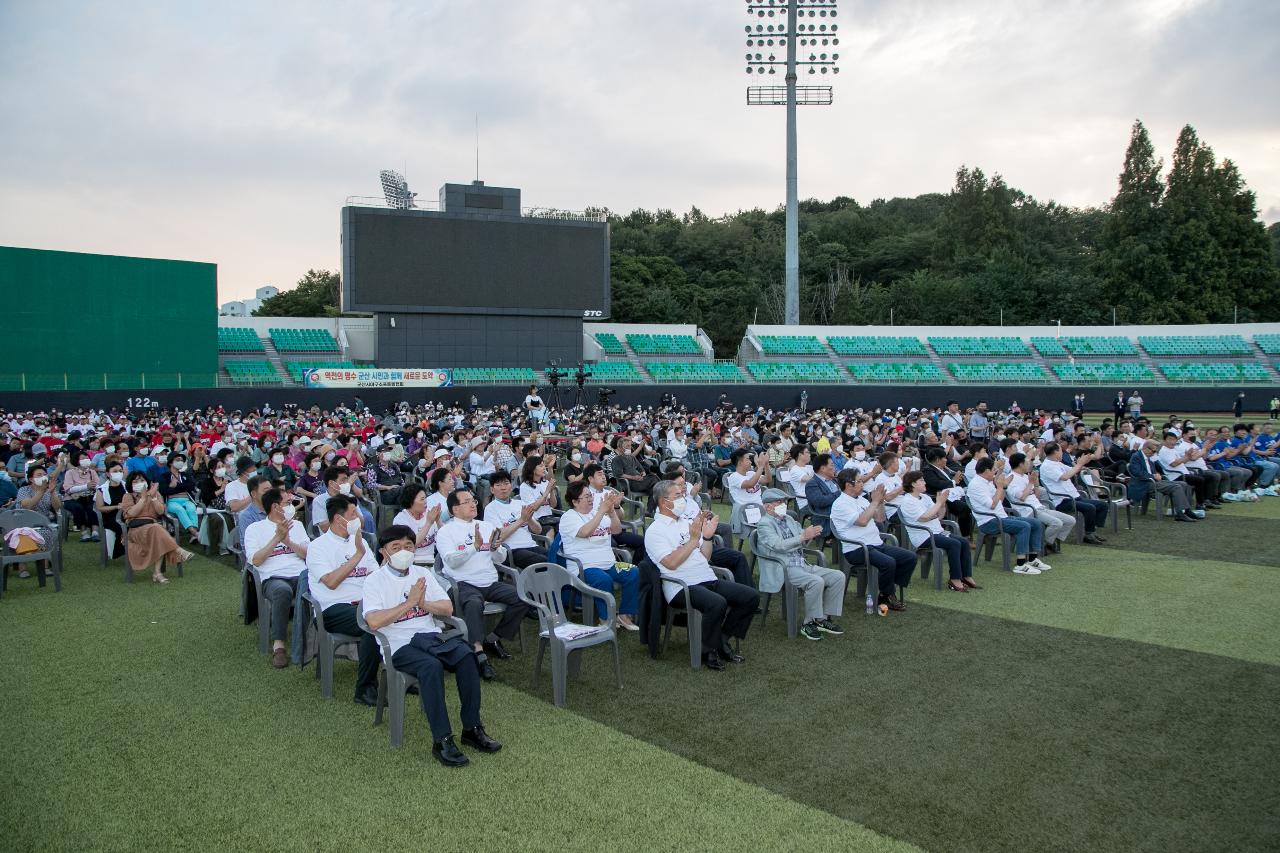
232,132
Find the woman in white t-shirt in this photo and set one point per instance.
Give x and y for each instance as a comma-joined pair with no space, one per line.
585,535
424,521
917,508
442,485
534,483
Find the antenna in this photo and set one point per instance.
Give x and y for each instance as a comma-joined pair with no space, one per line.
477,147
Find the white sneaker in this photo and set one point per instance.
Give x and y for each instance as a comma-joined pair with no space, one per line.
1270,491
1037,563
1026,569
1198,513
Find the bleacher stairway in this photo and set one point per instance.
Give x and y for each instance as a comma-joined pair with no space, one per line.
273,356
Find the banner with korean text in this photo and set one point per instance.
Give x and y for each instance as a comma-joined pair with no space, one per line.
373,377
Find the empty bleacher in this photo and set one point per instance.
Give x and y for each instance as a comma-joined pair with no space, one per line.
1194,345
875,345
609,343
245,371
997,371
791,345
238,339
1270,344
1228,371
1126,373
894,372
303,340
795,371
978,346
615,371
494,375
693,371
663,344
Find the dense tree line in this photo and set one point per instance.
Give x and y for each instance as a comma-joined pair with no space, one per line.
1184,246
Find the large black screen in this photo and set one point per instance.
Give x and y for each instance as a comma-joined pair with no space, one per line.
414,260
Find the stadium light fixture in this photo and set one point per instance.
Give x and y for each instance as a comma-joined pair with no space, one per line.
778,29
396,190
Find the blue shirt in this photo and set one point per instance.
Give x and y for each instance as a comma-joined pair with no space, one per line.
1221,464
145,464
1248,457
1264,441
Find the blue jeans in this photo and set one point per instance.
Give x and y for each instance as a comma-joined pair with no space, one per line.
1027,534
604,579
1269,470
183,510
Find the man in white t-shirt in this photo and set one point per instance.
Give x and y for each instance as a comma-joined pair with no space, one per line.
237,491
798,473
890,477
1174,462
853,522
401,601
1056,477
1024,490
986,493
745,484
682,550
469,548
277,546
337,564
951,420
516,520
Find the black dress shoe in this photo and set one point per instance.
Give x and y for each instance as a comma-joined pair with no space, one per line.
729,654
480,739
497,650
1093,540
1184,517
367,697
1099,537
712,661
448,754
487,672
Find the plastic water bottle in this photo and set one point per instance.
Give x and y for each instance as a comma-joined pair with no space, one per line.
871,606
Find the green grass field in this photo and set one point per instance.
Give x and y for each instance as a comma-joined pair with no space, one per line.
1127,700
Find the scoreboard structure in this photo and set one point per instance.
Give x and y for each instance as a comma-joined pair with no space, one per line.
477,283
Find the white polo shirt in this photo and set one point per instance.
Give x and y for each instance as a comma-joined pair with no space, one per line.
283,562
1197,464
844,514
796,476
741,495
1167,456
506,514
1053,476
327,553
1020,484
914,506
428,550
466,560
982,493
595,551
385,589
665,535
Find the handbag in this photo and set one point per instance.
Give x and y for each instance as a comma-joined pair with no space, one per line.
135,523
26,545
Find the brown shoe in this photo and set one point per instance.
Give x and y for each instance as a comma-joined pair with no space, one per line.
279,658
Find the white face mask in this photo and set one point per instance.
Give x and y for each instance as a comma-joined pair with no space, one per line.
143,451
315,466
220,472
353,527
180,467
288,511
162,460
344,489
780,510
139,486
677,506
859,454
117,477
85,463
401,560
39,481
277,458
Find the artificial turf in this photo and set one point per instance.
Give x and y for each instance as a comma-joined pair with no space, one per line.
1124,701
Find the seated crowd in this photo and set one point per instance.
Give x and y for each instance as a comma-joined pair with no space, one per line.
423,514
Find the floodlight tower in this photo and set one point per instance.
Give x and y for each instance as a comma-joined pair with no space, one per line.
799,30
396,190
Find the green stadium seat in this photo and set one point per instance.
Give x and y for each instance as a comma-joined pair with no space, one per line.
978,346
614,371
664,344
1099,345
251,372
238,339
795,371
1002,371
494,375
879,371
1219,372
790,345
1270,344
1126,373
303,340
1049,347
609,343
694,371
875,345
1194,345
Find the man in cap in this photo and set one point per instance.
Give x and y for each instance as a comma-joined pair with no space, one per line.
780,547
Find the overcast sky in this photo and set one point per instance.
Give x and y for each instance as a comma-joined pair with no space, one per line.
232,131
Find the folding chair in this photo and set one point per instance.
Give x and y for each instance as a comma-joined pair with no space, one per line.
12,519
327,645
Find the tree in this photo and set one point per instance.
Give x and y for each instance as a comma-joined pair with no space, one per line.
1133,259
316,295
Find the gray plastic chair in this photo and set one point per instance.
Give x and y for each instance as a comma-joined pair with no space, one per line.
540,586
932,554
693,619
12,519
790,592
868,580
104,554
394,684
327,645
491,608
1117,494
988,540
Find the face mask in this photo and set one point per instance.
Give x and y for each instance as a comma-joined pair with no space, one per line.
353,527
85,463
162,459
780,510
180,467
677,506
344,489
401,560
143,451
39,481
315,466
139,486
220,472
859,454
328,457
288,511
278,458
117,477
422,464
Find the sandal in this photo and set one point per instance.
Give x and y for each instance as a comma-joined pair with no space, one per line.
970,583
159,579
957,586
184,555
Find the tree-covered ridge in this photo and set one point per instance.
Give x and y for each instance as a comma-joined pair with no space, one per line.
1181,247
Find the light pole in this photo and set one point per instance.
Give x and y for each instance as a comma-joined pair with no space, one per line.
806,25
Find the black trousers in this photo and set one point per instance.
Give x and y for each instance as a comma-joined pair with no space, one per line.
633,542
471,601
893,565
959,510
1201,485
81,510
727,609
734,561
341,619
523,558
1094,511
426,658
